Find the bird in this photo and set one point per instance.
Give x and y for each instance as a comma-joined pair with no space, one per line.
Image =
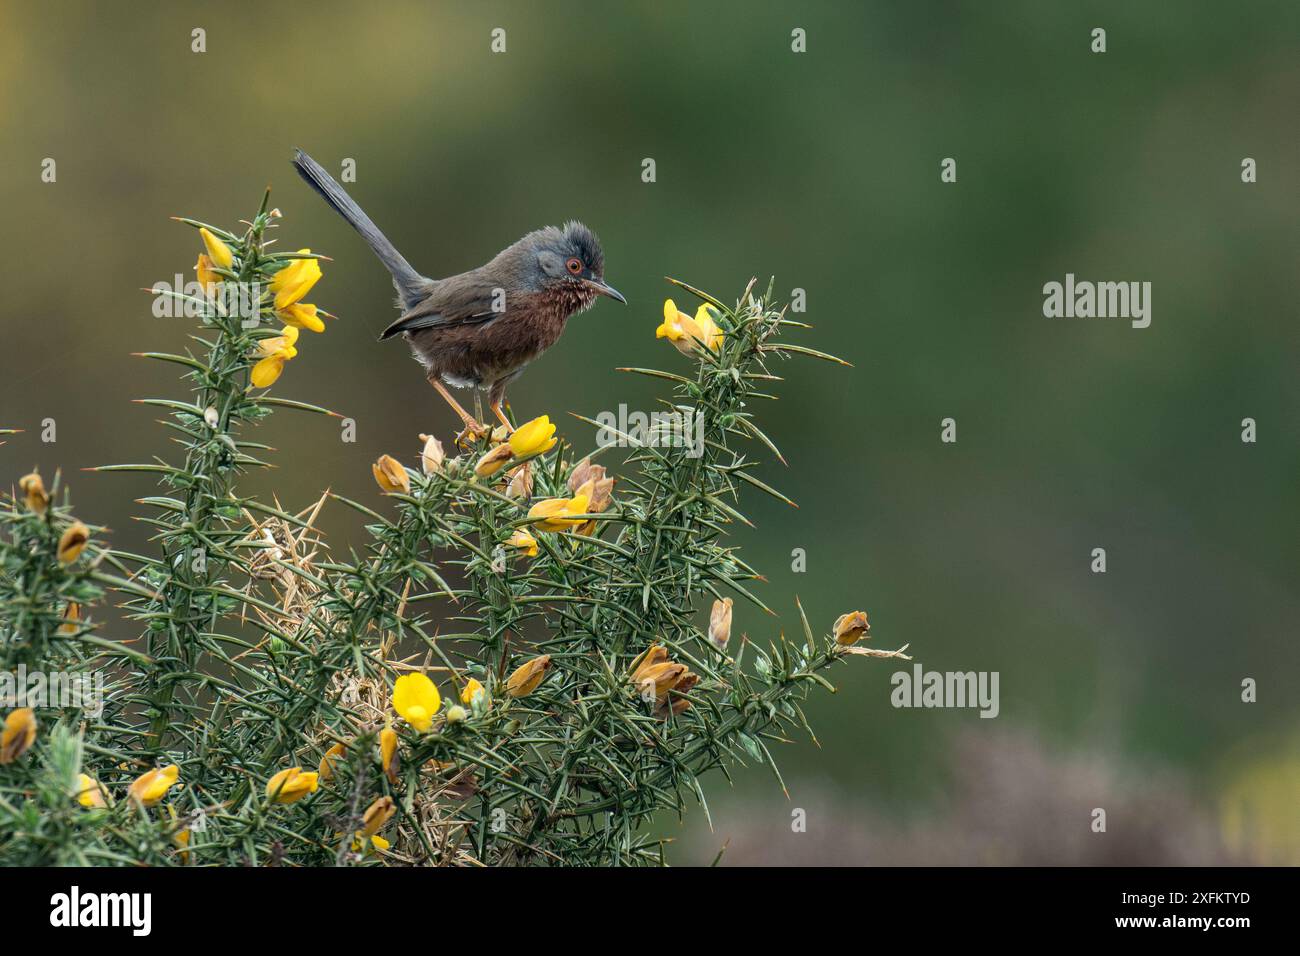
480,329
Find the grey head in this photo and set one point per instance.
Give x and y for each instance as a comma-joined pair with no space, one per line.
566,263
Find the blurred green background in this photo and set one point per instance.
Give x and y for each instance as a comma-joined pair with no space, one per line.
1119,690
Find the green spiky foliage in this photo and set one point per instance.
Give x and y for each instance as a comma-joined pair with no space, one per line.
261,649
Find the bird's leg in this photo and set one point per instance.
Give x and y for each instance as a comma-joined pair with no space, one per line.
495,398
472,427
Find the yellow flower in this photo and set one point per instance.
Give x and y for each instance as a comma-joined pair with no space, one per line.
150,787
532,438
89,792
493,461
597,489
325,772
456,714
527,676
266,371
720,623
554,514
73,542
850,627
302,315
379,843
389,759
471,688
524,541
294,281
291,785
286,340
19,733
34,490
218,251
685,332
377,814
432,457
416,699
207,275
390,475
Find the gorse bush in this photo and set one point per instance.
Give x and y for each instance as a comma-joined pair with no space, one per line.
530,656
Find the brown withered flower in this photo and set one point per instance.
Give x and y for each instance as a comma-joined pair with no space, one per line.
34,492
527,676
674,702
378,814
850,627
73,542
390,475
521,483
432,456
720,623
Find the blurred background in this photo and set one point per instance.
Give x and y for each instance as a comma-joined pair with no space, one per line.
1119,690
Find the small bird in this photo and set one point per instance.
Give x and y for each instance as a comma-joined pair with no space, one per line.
481,328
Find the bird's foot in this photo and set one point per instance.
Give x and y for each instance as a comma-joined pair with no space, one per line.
471,433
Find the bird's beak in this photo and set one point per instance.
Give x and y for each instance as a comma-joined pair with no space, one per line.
603,288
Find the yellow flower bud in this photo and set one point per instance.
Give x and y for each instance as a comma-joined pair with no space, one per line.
325,771
73,542
493,461
849,628
19,733
150,787
471,688
377,814
416,699
218,251
291,785
456,714
89,792
533,437
528,676
390,475
554,514
208,277
432,457
34,491
389,759
71,618
720,623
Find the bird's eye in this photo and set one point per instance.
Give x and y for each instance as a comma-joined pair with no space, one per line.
574,265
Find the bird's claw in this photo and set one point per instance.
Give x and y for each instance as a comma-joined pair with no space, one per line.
471,433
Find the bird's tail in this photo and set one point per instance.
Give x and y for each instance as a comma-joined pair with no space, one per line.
410,284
